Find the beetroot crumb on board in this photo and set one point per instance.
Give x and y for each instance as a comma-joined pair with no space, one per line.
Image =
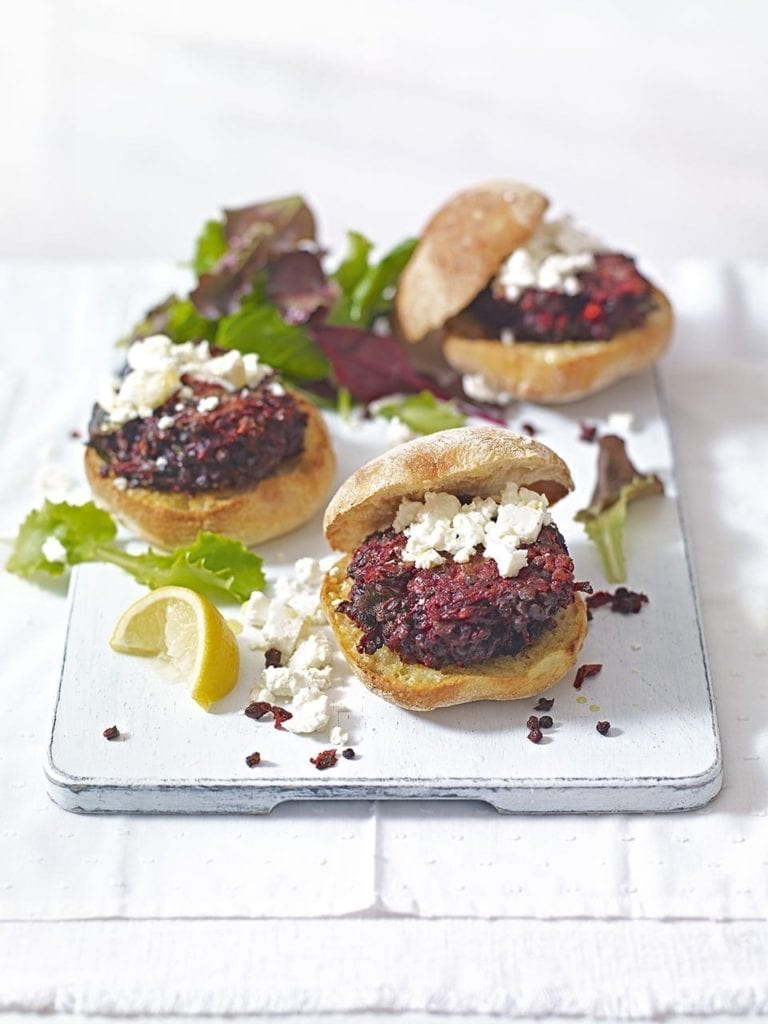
253,759
544,704
281,715
603,727
112,733
348,753
545,722
75,435
587,431
257,709
273,657
532,723
529,429
535,735
584,672
623,601
325,759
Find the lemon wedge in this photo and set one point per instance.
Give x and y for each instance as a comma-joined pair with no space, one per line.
185,628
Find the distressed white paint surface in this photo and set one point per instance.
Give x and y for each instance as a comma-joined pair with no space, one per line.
662,752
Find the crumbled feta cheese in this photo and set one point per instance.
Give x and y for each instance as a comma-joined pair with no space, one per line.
441,526
276,388
53,550
479,388
294,623
338,737
311,712
550,259
507,336
314,652
120,483
209,403
398,432
166,422
155,369
161,462
620,422
254,611
281,628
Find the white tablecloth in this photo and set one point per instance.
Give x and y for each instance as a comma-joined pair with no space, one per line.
413,908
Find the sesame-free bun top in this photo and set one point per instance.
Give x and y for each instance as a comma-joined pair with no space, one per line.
461,249
473,461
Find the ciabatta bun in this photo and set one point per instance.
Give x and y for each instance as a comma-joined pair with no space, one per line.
467,461
269,508
562,371
460,250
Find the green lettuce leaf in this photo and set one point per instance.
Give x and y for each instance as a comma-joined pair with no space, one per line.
424,413
177,318
210,247
285,347
618,483
212,565
367,290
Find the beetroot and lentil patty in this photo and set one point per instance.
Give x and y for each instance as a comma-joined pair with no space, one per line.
613,297
455,614
237,443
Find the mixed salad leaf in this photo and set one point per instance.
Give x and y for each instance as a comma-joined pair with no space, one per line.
618,483
423,413
212,565
261,287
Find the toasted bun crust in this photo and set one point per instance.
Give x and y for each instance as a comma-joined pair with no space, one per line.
460,250
562,371
270,508
419,688
466,460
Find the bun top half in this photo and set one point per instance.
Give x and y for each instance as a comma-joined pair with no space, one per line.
472,461
461,249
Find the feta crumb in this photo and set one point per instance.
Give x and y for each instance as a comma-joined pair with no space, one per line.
281,628
166,422
620,422
338,737
53,550
155,370
479,388
310,710
276,388
550,259
254,611
120,483
208,404
314,652
440,526
398,432
161,462
507,336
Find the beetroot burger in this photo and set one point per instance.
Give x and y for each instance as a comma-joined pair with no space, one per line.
455,584
534,308
193,438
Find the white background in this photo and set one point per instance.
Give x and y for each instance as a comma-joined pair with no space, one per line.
125,124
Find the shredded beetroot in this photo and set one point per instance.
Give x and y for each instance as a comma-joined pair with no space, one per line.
273,657
257,709
623,601
587,431
544,704
455,614
242,440
613,297
584,672
281,715
529,429
325,759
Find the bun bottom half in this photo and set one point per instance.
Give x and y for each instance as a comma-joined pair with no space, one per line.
419,688
269,508
559,371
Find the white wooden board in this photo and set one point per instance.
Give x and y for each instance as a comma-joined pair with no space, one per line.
662,753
